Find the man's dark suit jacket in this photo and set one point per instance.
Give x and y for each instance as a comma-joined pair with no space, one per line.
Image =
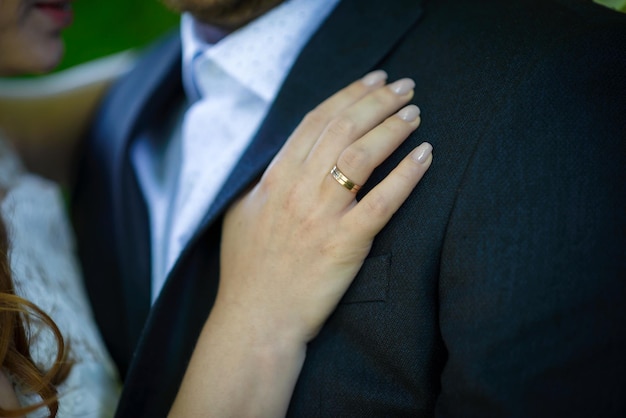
498,289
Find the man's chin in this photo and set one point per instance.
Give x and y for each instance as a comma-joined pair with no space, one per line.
226,14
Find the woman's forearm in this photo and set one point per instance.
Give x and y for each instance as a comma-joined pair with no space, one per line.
241,367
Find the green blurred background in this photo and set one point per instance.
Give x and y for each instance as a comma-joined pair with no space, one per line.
103,27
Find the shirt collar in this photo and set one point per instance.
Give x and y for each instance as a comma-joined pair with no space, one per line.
271,44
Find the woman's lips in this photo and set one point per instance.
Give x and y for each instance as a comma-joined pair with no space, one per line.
60,12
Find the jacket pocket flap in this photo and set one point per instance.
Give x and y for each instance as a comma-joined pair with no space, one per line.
371,284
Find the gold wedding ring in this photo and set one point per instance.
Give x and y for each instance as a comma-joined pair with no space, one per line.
343,180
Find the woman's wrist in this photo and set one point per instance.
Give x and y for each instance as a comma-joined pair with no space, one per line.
269,333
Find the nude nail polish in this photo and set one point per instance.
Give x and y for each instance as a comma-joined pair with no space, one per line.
374,78
421,153
409,113
402,87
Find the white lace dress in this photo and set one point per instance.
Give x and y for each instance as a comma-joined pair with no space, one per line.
46,272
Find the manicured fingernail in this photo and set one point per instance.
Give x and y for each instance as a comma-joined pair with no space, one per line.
409,113
402,87
421,153
374,78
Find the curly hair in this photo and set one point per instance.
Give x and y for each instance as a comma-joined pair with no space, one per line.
16,314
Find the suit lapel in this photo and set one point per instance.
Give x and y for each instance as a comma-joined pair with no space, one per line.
352,41
154,87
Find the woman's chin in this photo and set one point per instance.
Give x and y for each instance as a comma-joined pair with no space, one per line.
38,60
44,60
49,57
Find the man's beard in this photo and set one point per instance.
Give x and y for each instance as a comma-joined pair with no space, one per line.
227,14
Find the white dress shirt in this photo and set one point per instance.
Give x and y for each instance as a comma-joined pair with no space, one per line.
231,80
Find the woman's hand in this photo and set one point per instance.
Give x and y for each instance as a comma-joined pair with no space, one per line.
294,243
